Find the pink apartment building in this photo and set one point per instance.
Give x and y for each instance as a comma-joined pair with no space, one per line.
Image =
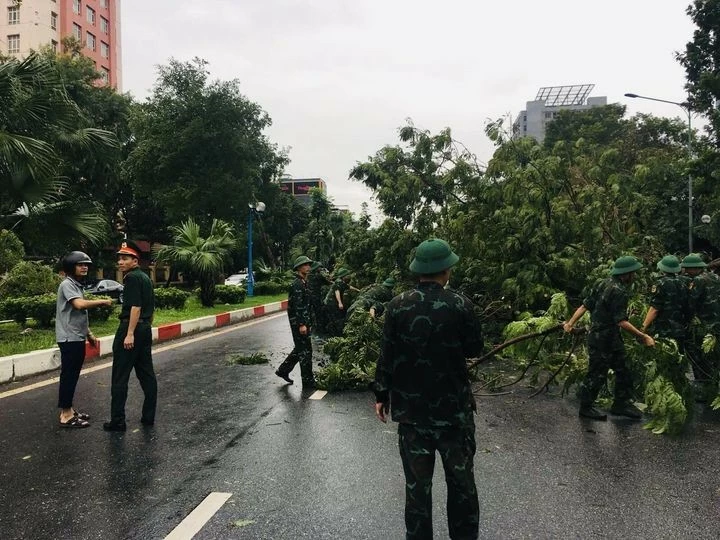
96,23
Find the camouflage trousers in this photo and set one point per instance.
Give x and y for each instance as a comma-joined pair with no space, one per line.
456,446
600,360
302,354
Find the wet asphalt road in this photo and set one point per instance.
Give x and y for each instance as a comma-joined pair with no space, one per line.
300,468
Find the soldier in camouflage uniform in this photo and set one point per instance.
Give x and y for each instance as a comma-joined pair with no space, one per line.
607,304
422,376
334,302
705,305
373,298
669,303
318,282
300,316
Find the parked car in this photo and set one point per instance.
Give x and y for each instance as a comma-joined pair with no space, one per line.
236,279
107,287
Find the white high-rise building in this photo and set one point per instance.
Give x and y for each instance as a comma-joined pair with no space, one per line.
549,100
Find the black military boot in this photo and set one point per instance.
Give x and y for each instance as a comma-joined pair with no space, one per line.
626,409
588,411
284,376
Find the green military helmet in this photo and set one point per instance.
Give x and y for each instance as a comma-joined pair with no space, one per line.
315,265
389,283
625,265
342,272
302,259
669,264
693,261
433,256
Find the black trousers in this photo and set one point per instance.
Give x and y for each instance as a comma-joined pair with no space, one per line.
302,354
124,361
72,356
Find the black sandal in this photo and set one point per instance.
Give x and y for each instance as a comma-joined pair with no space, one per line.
81,415
75,422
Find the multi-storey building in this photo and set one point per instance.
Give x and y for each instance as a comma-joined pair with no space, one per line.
300,187
549,100
32,24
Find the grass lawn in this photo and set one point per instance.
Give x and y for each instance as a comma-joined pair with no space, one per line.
12,341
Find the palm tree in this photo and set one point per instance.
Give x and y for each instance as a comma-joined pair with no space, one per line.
203,258
40,129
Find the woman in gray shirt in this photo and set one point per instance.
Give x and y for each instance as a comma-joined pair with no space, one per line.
71,331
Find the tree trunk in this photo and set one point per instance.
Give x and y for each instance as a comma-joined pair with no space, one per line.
207,292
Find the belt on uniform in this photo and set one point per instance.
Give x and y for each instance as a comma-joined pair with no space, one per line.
144,320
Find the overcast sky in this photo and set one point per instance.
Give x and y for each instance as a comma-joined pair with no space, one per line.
339,77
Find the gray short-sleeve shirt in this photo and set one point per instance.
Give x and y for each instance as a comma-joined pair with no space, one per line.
70,324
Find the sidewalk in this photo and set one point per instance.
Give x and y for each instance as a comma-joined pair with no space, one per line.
19,366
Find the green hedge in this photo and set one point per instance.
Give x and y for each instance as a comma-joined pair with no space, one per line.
170,298
40,307
99,313
28,279
229,294
270,288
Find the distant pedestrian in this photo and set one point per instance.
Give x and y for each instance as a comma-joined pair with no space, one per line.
608,304
300,317
71,331
132,347
422,377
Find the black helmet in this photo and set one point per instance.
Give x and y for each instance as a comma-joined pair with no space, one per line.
71,259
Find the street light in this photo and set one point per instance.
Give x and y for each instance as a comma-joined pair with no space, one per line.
255,210
685,107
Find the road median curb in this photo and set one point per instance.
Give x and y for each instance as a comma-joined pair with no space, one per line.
20,366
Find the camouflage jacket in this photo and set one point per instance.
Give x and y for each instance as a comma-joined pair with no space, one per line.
317,280
705,298
338,285
422,371
373,296
299,309
670,297
607,304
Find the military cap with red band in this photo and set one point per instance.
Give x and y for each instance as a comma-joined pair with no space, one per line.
128,247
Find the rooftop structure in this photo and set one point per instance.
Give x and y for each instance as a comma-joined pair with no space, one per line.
532,121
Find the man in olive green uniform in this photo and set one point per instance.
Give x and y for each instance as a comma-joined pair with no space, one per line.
669,303
132,347
607,304
422,376
319,282
705,305
300,316
334,302
373,298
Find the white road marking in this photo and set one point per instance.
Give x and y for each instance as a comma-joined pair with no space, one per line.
160,349
197,519
318,394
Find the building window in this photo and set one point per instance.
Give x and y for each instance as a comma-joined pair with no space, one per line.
14,15
90,15
76,7
104,25
53,20
104,3
54,45
105,75
77,31
13,42
104,50
90,41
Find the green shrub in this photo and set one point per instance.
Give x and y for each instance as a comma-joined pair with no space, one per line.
27,279
229,294
15,309
11,250
270,288
42,308
170,298
99,313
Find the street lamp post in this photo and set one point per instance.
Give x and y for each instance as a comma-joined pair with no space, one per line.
685,107
255,210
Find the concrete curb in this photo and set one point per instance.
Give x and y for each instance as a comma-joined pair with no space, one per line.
19,366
